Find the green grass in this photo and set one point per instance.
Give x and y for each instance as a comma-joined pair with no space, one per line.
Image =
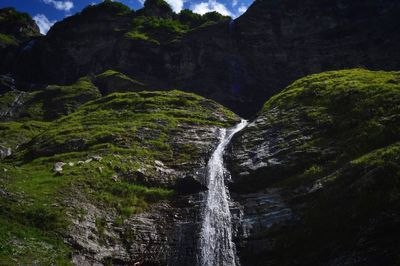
56,101
51,102
7,39
24,245
32,217
346,127
11,15
128,130
160,4
352,111
139,123
113,73
112,81
156,30
361,200
114,7
14,134
15,26
135,35
164,30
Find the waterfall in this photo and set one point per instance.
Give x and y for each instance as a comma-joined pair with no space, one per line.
18,101
216,245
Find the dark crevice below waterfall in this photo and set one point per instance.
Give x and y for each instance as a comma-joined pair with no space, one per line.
216,245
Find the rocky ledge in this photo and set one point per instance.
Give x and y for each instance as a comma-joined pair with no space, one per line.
316,173
107,179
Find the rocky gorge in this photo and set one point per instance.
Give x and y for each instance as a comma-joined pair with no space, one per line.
112,145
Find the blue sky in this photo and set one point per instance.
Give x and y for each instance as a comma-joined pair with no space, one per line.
47,12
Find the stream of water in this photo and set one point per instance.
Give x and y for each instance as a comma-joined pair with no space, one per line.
216,245
18,101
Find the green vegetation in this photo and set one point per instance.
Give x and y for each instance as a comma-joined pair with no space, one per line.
107,144
112,6
345,126
123,122
155,23
158,29
14,134
112,81
9,14
55,101
135,35
355,212
160,4
22,245
350,112
16,26
7,40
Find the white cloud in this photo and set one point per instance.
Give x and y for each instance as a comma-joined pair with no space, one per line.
211,5
242,9
43,22
177,5
206,6
60,5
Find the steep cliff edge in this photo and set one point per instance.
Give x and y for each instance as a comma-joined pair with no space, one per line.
239,63
16,27
108,179
317,173
107,167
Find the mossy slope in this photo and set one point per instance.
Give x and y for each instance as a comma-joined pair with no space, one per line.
16,27
107,144
330,142
53,101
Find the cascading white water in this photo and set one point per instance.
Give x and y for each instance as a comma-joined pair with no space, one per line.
18,101
216,245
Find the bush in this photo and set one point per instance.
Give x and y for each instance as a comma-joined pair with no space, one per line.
43,218
214,16
188,17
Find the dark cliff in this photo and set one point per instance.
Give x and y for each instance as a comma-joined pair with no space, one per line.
101,163
99,180
239,63
317,173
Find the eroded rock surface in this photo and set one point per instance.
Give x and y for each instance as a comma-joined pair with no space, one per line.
310,172
239,63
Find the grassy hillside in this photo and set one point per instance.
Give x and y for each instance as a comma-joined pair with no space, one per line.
106,144
330,142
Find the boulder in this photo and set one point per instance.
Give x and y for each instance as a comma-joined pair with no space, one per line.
58,167
5,152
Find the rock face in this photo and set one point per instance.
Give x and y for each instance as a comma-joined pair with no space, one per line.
18,25
166,234
53,101
5,152
239,63
313,173
315,176
16,29
284,40
117,181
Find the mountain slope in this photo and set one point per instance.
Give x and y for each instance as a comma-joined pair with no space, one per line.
109,182
328,145
238,63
